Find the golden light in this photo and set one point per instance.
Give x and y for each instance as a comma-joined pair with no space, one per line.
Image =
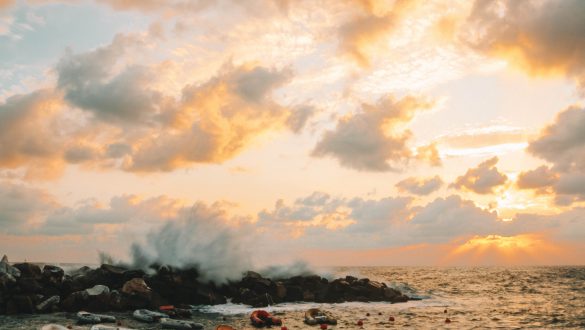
496,249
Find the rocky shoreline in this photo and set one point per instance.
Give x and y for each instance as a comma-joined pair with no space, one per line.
26,288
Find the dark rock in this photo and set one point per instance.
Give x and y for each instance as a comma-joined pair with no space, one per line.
24,303
7,281
75,301
280,291
137,287
47,304
135,295
308,296
29,285
29,270
53,274
81,271
350,279
133,273
5,268
294,293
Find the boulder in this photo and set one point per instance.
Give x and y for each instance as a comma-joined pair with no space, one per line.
29,270
97,290
24,303
53,274
280,291
75,301
7,281
29,285
5,268
137,287
48,304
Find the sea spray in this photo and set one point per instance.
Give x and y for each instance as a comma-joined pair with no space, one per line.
200,239
203,237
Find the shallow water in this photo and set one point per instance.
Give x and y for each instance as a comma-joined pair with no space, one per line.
473,298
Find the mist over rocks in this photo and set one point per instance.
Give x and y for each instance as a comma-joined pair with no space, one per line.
114,288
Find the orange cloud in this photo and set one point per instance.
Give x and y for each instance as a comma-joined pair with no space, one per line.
360,36
541,37
481,179
420,186
374,138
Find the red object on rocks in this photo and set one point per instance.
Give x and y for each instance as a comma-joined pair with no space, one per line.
367,314
360,323
323,326
283,328
447,320
166,307
260,318
391,318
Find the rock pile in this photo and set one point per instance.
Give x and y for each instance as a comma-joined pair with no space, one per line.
28,288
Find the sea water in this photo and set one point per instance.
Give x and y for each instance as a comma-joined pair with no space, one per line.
470,297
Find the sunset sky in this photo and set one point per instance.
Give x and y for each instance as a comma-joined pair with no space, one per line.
338,132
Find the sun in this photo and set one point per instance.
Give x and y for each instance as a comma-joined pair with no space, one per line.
498,250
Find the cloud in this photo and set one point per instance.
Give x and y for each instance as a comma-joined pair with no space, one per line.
6,3
542,37
82,219
541,177
126,97
430,154
562,144
485,136
298,118
481,179
30,134
320,212
107,114
372,139
21,205
420,186
360,35
216,120
444,219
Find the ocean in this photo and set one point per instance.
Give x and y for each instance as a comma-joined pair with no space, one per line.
470,297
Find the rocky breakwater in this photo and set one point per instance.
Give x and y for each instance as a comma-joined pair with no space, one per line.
28,288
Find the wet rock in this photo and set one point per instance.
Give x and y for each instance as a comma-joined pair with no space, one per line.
28,270
5,268
75,301
53,274
137,287
294,293
7,281
117,301
136,294
391,293
280,291
81,271
350,279
24,303
48,304
29,285
133,273
308,296
97,290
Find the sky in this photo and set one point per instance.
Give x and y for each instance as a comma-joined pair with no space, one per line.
332,132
